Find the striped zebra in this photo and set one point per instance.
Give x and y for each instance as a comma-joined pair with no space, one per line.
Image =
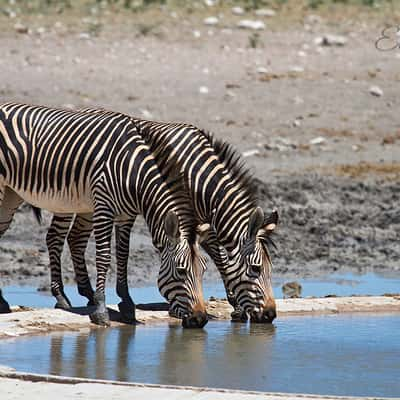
78,162
223,198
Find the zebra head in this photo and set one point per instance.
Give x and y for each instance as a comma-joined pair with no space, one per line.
181,274
254,290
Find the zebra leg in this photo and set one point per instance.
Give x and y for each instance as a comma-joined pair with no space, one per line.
103,225
219,256
9,203
78,238
4,306
55,242
122,236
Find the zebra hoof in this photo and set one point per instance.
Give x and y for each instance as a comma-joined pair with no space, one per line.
239,316
62,303
4,308
127,311
100,318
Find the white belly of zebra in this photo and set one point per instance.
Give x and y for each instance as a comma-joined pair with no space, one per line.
59,202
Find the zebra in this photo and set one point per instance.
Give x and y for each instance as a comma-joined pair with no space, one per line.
221,190
76,162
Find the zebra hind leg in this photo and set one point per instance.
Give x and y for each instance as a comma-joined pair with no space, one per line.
126,307
77,241
4,306
55,241
9,203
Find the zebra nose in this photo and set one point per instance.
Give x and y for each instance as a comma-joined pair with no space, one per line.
265,316
197,319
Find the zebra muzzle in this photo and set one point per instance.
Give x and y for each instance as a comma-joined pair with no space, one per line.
197,319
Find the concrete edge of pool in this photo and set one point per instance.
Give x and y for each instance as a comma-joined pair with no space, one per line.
36,321
47,387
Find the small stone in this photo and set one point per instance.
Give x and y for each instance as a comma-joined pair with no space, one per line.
249,153
262,70
376,91
211,21
69,106
301,53
330,40
196,34
296,123
84,36
296,69
146,113
203,90
265,12
237,11
251,24
291,290
19,28
210,3
318,141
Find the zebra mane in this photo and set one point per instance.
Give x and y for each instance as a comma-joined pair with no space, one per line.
174,179
234,163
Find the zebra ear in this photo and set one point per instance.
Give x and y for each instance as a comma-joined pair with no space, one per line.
202,231
256,221
171,226
270,222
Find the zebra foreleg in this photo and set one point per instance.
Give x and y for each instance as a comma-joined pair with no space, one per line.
103,225
218,254
78,238
55,242
4,306
9,203
122,236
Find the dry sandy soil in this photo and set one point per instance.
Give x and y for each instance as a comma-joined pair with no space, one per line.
324,150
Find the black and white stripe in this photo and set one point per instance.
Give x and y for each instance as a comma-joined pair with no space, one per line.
223,197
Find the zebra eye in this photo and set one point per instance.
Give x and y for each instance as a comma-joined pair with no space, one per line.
181,271
255,268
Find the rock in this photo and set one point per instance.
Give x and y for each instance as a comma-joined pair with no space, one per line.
249,153
211,21
210,3
265,12
84,36
318,141
296,69
330,40
291,290
203,90
251,24
146,113
376,91
196,34
237,11
19,28
262,70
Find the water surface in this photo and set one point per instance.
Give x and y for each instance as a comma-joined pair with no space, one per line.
338,355
341,285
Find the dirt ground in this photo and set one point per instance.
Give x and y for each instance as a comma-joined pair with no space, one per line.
325,151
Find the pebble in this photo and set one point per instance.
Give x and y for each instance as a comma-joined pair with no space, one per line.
211,21
296,68
19,28
376,91
146,113
265,12
330,40
237,11
262,70
203,90
69,106
249,153
197,34
251,24
318,140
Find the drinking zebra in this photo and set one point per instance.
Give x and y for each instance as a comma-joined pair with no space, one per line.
223,199
78,162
